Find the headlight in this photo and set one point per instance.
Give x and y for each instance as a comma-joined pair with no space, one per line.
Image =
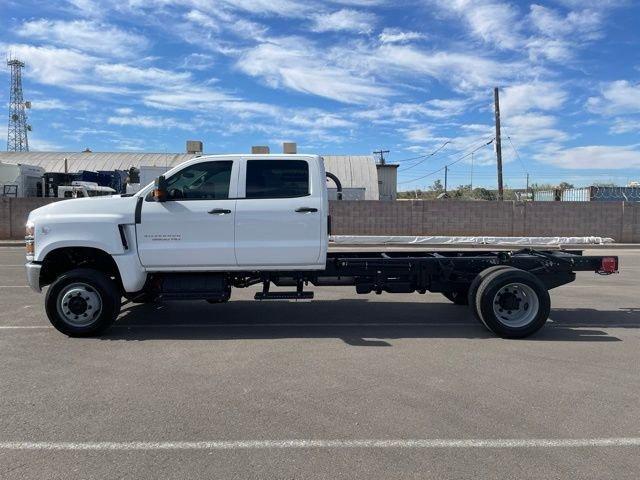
29,239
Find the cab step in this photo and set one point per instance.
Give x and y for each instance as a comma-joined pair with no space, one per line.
283,295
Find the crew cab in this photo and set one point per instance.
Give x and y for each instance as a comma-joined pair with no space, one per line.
220,222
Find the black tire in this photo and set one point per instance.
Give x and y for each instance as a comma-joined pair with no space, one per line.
473,288
100,286
520,296
458,297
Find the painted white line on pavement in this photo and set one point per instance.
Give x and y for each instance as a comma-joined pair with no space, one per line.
14,286
327,444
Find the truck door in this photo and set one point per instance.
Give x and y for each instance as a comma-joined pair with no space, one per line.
278,214
195,226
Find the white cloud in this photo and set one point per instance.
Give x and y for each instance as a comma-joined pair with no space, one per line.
555,50
49,104
617,98
345,19
492,22
596,157
461,70
202,19
198,61
532,127
419,134
51,65
625,125
395,35
284,8
549,22
189,98
38,144
146,121
126,74
296,64
85,35
537,95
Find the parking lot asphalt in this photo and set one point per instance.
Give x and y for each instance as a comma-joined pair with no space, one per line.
345,386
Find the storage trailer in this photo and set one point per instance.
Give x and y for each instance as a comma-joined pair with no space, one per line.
217,223
20,180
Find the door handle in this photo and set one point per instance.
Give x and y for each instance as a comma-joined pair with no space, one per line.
219,211
306,210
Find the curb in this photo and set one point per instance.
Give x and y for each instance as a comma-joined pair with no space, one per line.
12,243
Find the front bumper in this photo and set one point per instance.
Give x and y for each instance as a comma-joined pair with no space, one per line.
33,275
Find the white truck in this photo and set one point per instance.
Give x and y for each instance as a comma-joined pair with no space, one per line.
215,223
79,189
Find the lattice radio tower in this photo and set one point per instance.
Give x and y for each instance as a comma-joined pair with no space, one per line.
17,140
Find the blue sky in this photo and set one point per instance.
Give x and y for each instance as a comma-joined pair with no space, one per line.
340,77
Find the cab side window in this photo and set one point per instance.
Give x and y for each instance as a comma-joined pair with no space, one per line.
202,181
277,179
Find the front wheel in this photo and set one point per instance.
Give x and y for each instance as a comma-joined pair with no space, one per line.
513,303
82,302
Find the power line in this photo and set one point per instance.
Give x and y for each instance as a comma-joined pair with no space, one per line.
524,168
457,152
426,157
449,164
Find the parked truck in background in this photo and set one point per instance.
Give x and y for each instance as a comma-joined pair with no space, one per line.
215,223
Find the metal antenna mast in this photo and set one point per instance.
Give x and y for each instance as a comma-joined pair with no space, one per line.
17,140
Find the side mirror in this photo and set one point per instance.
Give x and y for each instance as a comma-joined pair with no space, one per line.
160,189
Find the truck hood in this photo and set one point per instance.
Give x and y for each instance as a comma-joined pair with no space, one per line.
117,209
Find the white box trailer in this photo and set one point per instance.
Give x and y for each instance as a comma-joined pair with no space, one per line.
20,180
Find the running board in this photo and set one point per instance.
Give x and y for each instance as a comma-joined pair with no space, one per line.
283,295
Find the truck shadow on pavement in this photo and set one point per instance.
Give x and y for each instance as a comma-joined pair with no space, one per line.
356,322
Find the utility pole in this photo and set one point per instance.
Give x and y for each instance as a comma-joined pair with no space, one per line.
527,184
380,154
472,171
446,171
496,98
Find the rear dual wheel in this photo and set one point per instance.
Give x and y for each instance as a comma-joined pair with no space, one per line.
511,302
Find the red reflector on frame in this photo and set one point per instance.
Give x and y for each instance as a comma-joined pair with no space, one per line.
609,265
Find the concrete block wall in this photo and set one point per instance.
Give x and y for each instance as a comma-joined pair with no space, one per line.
618,220
14,213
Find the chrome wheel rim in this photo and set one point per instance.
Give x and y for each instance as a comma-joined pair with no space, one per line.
516,305
79,304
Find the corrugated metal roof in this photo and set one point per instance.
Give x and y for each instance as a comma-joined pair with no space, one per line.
354,171
54,161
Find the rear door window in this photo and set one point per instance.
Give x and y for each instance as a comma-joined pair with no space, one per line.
277,179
